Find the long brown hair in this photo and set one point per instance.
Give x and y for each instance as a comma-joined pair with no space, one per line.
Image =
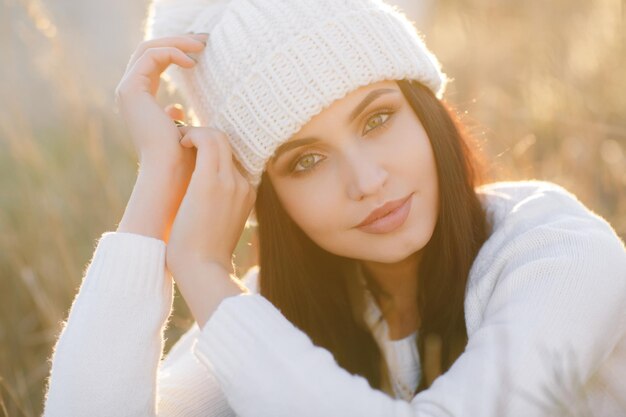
309,284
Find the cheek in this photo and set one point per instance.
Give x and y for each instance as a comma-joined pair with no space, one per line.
311,209
412,153
419,170
424,166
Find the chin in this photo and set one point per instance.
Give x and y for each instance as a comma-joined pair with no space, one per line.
393,251
396,255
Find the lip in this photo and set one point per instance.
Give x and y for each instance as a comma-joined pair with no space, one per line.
387,217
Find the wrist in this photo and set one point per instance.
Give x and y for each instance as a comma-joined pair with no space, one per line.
168,173
154,201
194,266
204,286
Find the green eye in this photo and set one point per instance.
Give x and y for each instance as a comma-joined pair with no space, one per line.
375,121
307,162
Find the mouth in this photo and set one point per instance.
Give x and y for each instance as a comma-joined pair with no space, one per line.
388,217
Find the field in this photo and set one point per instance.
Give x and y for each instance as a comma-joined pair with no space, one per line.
541,85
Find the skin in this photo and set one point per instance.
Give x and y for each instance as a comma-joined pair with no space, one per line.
189,183
355,167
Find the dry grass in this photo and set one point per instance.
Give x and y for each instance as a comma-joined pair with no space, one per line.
545,102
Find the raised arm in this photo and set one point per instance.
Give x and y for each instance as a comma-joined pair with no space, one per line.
106,359
185,388
165,167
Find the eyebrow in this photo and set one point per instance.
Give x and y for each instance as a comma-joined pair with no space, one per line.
373,95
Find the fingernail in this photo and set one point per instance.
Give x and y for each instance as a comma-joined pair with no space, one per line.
199,38
179,122
192,58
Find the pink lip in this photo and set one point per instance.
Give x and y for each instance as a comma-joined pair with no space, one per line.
388,217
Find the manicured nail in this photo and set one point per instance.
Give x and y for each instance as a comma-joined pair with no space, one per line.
200,37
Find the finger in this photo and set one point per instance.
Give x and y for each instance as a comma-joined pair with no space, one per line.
227,169
194,136
176,112
207,157
230,170
242,175
146,73
187,43
183,131
244,185
153,62
242,171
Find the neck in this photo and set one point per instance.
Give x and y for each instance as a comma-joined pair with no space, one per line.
397,297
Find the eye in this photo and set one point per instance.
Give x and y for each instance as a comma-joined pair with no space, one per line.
306,161
376,121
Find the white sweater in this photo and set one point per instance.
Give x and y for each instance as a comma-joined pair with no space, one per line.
545,311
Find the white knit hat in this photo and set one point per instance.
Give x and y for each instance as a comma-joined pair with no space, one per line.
271,65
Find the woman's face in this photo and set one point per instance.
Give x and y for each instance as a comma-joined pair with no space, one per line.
365,150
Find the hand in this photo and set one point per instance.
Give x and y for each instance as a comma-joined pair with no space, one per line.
165,166
154,135
214,209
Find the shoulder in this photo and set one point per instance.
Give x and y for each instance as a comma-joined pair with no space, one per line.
517,207
531,201
541,233
521,212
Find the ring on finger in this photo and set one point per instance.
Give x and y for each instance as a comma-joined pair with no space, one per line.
180,123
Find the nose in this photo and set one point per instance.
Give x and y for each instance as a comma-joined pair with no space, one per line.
365,176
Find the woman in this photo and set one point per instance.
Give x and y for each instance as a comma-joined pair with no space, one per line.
386,268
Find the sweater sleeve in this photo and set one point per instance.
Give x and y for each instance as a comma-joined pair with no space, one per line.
185,387
106,361
561,290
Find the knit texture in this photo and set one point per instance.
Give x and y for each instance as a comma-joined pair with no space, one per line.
545,310
271,65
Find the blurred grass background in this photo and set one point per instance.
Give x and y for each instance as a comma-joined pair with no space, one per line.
540,83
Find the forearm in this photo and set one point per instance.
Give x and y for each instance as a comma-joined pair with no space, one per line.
105,360
204,286
265,366
154,200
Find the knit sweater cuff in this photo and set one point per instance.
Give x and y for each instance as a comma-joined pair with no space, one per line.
128,263
242,331
264,366
238,323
